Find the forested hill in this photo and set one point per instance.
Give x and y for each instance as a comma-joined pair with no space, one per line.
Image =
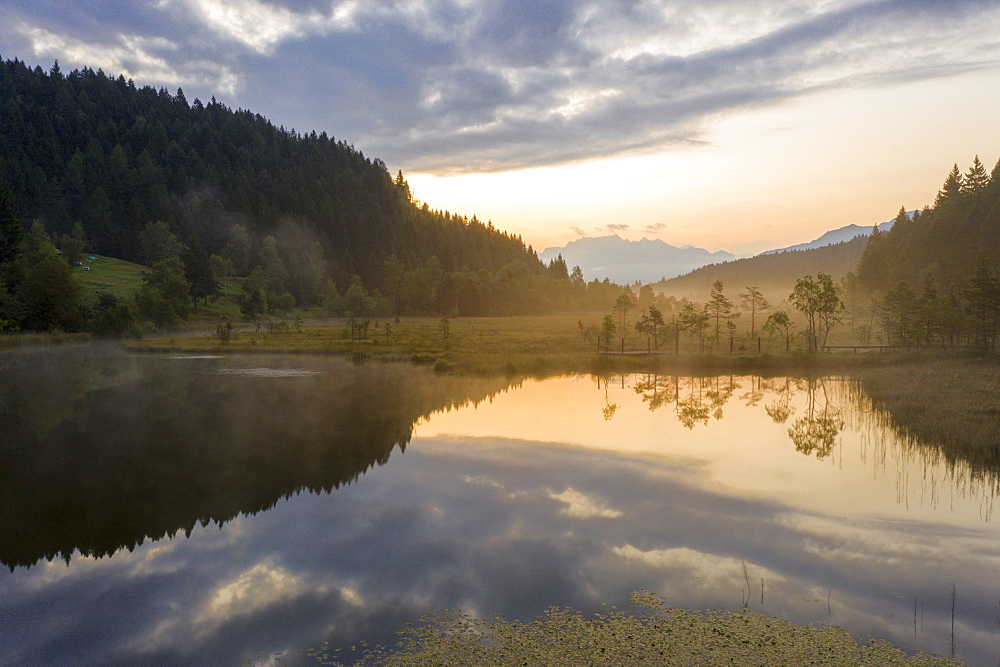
774,273
115,157
946,244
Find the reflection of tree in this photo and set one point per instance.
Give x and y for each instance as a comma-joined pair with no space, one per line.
609,408
719,394
817,430
781,408
657,390
693,409
696,405
91,461
756,393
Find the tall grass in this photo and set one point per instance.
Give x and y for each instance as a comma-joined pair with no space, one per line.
951,404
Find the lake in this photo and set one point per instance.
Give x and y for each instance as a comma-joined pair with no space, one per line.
209,510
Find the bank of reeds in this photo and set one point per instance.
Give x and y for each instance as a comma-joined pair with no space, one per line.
949,403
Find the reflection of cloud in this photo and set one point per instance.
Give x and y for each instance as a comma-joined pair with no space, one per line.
582,506
479,480
351,595
716,572
681,557
382,555
259,587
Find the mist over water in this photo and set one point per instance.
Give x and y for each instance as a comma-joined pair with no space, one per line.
207,510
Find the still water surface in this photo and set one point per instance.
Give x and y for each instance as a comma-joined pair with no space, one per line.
205,510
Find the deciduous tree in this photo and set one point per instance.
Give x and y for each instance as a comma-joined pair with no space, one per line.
818,301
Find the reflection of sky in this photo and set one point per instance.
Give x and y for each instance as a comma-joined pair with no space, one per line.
745,451
514,525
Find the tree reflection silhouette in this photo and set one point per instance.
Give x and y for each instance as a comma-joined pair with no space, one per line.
692,409
657,390
780,409
101,453
817,430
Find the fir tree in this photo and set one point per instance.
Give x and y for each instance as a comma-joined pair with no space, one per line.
977,179
10,227
952,187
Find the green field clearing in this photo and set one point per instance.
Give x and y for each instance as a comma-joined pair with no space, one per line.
106,274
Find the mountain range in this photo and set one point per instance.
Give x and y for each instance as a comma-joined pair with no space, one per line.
624,261
651,260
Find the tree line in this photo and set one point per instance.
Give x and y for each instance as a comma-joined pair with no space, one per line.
200,192
933,278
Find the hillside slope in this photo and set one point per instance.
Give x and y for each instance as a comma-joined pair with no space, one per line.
96,149
774,274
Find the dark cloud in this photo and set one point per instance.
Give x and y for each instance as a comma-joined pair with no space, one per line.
498,84
618,227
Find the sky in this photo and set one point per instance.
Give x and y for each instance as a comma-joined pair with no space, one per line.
724,124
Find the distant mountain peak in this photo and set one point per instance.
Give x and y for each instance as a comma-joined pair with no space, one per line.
835,236
625,261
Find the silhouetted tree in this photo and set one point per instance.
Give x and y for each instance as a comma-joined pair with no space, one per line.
756,303
720,310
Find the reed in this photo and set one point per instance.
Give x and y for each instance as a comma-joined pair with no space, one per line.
951,404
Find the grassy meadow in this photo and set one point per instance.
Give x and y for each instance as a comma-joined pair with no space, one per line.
529,345
107,274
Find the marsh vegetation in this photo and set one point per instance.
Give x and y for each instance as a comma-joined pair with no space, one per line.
659,636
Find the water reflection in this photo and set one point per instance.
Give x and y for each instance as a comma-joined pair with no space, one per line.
102,450
504,502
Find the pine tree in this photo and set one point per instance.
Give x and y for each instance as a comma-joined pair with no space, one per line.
755,301
720,309
10,227
198,272
977,179
952,187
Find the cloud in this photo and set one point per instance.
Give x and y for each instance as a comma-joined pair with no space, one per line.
448,86
262,26
258,587
581,506
578,231
146,60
